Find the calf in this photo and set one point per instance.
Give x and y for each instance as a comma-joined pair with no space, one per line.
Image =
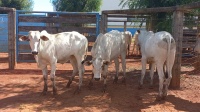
158,48
135,44
50,49
197,46
106,48
128,37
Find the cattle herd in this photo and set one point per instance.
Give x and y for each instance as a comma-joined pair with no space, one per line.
158,48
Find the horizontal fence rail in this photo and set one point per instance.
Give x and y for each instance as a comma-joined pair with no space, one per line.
53,22
184,36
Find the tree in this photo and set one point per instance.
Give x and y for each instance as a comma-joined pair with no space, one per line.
18,4
162,19
77,5
136,4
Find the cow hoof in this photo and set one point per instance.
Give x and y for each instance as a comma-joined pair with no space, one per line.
115,80
159,98
68,84
55,92
124,80
90,85
104,88
44,93
150,87
140,86
164,98
77,91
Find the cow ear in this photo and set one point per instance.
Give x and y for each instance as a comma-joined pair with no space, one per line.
24,38
106,62
44,38
138,31
87,63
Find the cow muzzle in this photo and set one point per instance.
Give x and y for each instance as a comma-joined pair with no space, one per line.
34,53
96,79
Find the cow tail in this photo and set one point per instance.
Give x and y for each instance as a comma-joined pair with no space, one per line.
85,54
168,57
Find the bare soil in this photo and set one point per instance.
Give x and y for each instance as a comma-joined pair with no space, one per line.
20,90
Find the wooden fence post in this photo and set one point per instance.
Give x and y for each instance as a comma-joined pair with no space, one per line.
104,23
12,38
125,26
197,64
177,32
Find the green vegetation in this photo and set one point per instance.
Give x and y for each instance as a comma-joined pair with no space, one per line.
161,21
18,4
77,5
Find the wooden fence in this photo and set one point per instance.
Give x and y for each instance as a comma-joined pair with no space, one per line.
177,29
11,36
3,33
54,22
86,24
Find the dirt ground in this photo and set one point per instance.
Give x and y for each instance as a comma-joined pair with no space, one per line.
20,90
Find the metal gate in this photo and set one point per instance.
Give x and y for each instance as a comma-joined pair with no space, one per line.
53,22
3,33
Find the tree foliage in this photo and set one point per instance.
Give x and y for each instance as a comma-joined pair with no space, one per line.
77,5
163,20
18,4
136,4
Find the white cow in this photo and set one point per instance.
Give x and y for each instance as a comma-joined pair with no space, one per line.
197,46
50,49
108,47
135,44
158,48
128,36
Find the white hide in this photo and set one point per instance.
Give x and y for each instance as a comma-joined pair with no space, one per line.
135,44
159,48
58,48
109,47
61,46
197,46
128,36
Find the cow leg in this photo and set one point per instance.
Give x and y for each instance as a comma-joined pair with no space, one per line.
152,74
133,49
52,74
45,77
168,80
105,71
142,73
161,80
73,62
91,82
138,50
80,70
116,69
128,49
123,59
